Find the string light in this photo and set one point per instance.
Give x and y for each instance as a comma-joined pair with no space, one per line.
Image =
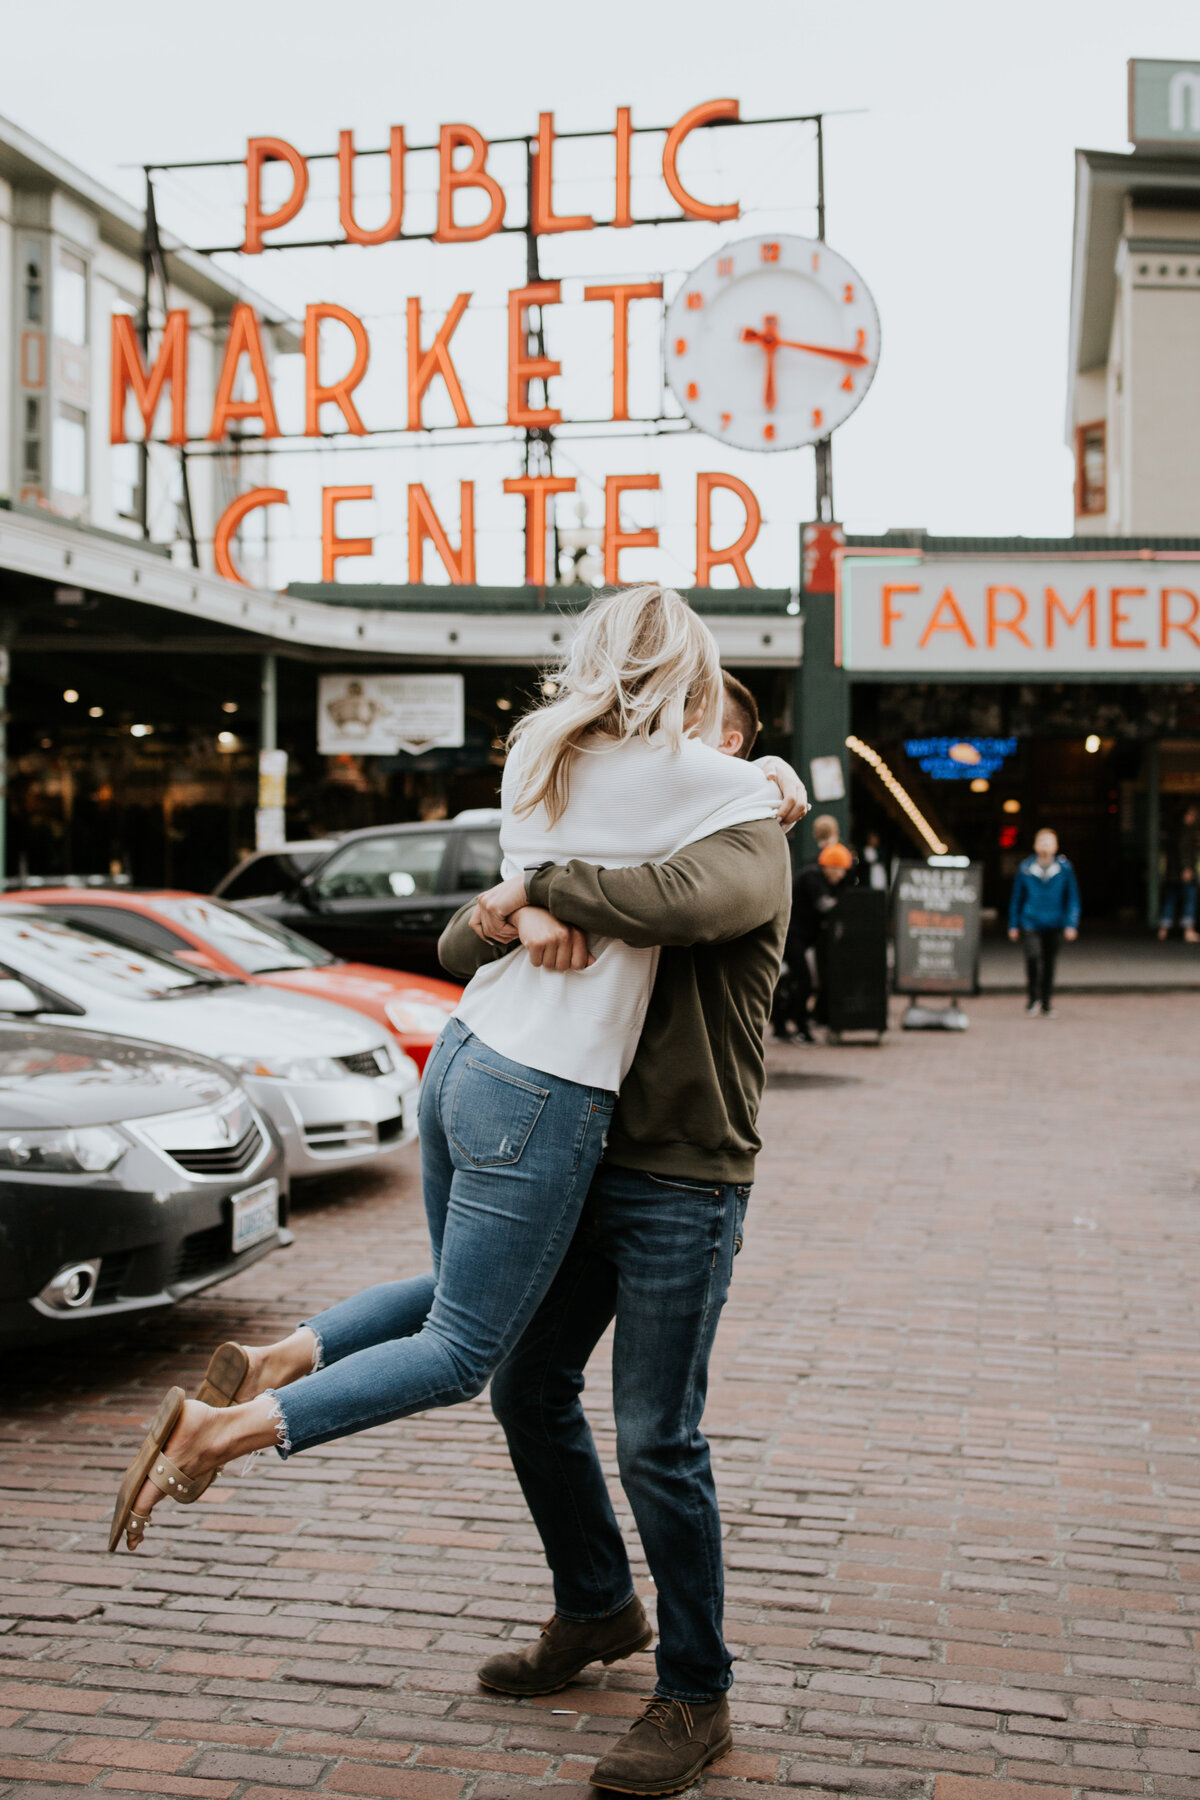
899,794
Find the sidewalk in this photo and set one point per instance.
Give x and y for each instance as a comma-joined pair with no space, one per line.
954,1416
1099,964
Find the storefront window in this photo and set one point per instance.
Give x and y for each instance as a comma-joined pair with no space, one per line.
32,260
1091,471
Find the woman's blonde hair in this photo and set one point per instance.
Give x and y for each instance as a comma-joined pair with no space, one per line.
641,662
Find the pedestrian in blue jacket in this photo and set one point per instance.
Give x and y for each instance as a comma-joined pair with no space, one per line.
1044,908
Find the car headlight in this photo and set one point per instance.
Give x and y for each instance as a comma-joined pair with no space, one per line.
423,1015
289,1068
77,1150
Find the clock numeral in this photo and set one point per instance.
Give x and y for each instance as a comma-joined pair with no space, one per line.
816,260
694,302
726,421
768,432
818,417
681,346
848,293
769,252
860,342
724,265
693,392
848,385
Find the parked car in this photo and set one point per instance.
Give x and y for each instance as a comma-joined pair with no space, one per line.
270,871
207,934
334,1090
385,895
131,1175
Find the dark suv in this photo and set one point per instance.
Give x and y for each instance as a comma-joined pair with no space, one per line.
385,895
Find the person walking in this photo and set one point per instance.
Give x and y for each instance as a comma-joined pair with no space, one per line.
1044,909
518,1094
1179,897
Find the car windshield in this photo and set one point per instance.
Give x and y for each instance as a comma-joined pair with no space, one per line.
44,949
256,947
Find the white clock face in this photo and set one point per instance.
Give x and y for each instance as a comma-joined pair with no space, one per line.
771,343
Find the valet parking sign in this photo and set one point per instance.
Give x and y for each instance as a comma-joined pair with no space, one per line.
937,928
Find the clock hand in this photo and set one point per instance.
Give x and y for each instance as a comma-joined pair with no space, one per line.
854,357
770,344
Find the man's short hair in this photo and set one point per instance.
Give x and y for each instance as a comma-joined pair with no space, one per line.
741,703
826,829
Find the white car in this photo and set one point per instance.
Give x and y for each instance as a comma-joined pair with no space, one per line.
335,1091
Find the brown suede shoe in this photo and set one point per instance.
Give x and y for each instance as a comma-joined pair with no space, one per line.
667,1749
565,1647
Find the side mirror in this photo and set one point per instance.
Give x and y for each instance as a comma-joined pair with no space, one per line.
16,997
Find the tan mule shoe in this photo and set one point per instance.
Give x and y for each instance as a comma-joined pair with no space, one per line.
227,1369
153,1464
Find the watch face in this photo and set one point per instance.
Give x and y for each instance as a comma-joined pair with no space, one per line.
771,342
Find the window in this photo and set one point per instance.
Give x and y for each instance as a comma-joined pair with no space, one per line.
478,861
123,926
48,951
70,452
31,258
385,868
1091,471
70,298
256,946
127,480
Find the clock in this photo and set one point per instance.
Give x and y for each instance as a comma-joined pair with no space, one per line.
771,342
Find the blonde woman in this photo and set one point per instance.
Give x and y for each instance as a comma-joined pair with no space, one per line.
619,769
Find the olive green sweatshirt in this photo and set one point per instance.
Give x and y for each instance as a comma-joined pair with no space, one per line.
719,909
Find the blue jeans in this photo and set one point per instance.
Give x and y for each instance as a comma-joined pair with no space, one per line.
507,1155
1181,895
656,1254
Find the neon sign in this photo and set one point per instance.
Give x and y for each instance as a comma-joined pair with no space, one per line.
960,759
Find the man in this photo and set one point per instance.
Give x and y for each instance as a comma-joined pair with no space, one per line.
1043,909
814,896
1180,892
654,1250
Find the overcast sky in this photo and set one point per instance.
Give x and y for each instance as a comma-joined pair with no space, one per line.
950,187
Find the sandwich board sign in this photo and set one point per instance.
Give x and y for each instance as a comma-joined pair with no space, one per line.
937,922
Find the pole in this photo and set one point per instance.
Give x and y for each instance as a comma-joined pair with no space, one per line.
540,436
268,718
144,337
1153,828
823,448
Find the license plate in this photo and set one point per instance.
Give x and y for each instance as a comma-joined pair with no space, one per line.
255,1215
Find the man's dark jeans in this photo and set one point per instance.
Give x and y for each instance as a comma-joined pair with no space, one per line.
657,1254
1041,956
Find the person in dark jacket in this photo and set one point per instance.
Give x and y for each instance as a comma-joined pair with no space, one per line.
1044,909
1180,893
814,897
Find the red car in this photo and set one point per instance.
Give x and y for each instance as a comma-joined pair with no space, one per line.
211,935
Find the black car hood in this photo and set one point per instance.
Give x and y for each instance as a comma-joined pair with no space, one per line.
55,1075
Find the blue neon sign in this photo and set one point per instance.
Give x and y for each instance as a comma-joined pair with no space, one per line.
960,759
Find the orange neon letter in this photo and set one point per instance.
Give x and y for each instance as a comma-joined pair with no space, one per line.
706,114
380,234
333,548
338,391
523,368
953,621
264,150
1168,624
545,219
622,213
229,522
621,293
424,523
1118,617
616,540
1054,605
128,371
892,614
535,489
706,557
436,360
450,139
243,340
995,624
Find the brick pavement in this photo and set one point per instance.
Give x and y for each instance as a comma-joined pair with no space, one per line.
954,1417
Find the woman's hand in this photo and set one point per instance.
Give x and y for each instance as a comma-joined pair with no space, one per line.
795,799
550,943
494,910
